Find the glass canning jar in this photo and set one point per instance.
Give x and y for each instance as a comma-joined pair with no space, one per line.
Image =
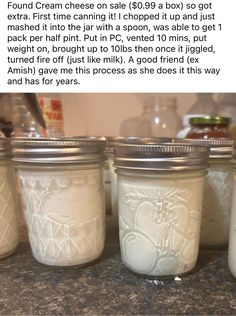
209,127
8,218
160,191
61,182
218,190
232,233
113,176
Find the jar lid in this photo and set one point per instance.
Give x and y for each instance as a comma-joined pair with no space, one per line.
168,156
111,141
136,140
212,120
220,148
4,147
58,150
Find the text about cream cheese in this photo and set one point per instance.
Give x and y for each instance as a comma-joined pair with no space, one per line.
89,45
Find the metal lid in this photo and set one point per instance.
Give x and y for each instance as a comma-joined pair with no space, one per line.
168,156
212,120
111,141
220,148
4,147
137,140
59,150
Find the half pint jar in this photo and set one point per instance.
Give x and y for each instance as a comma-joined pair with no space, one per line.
62,187
232,234
8,217
218,190
113,176
160,190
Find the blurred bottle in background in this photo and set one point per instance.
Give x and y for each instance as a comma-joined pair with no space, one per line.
23,122
139,126
165,121
205,105
227,107
51,107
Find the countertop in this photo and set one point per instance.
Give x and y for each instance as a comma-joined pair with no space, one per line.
108,288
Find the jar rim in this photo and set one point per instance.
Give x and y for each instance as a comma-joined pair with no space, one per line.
111,141
210,120
163,156
220,148
58,150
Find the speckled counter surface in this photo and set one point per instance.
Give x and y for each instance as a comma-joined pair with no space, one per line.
107,288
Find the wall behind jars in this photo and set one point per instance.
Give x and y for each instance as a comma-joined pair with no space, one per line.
102,113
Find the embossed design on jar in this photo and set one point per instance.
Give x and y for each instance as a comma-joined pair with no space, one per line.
164,222
8,222
216,206
65,216
167,265
131,243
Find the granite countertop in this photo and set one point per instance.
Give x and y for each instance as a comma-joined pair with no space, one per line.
107,287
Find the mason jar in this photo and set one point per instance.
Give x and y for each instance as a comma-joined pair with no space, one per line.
8,217
218,190
113,176
209,127
160,191
232,233
61,182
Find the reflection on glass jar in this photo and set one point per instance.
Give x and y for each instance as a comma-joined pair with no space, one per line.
62,187
8,217
218,187
232,234
160,203
217,205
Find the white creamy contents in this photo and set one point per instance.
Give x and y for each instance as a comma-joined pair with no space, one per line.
65,214
232,235
217,200
8,218
159,222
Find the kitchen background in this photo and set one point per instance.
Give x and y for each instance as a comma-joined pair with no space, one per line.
104,114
